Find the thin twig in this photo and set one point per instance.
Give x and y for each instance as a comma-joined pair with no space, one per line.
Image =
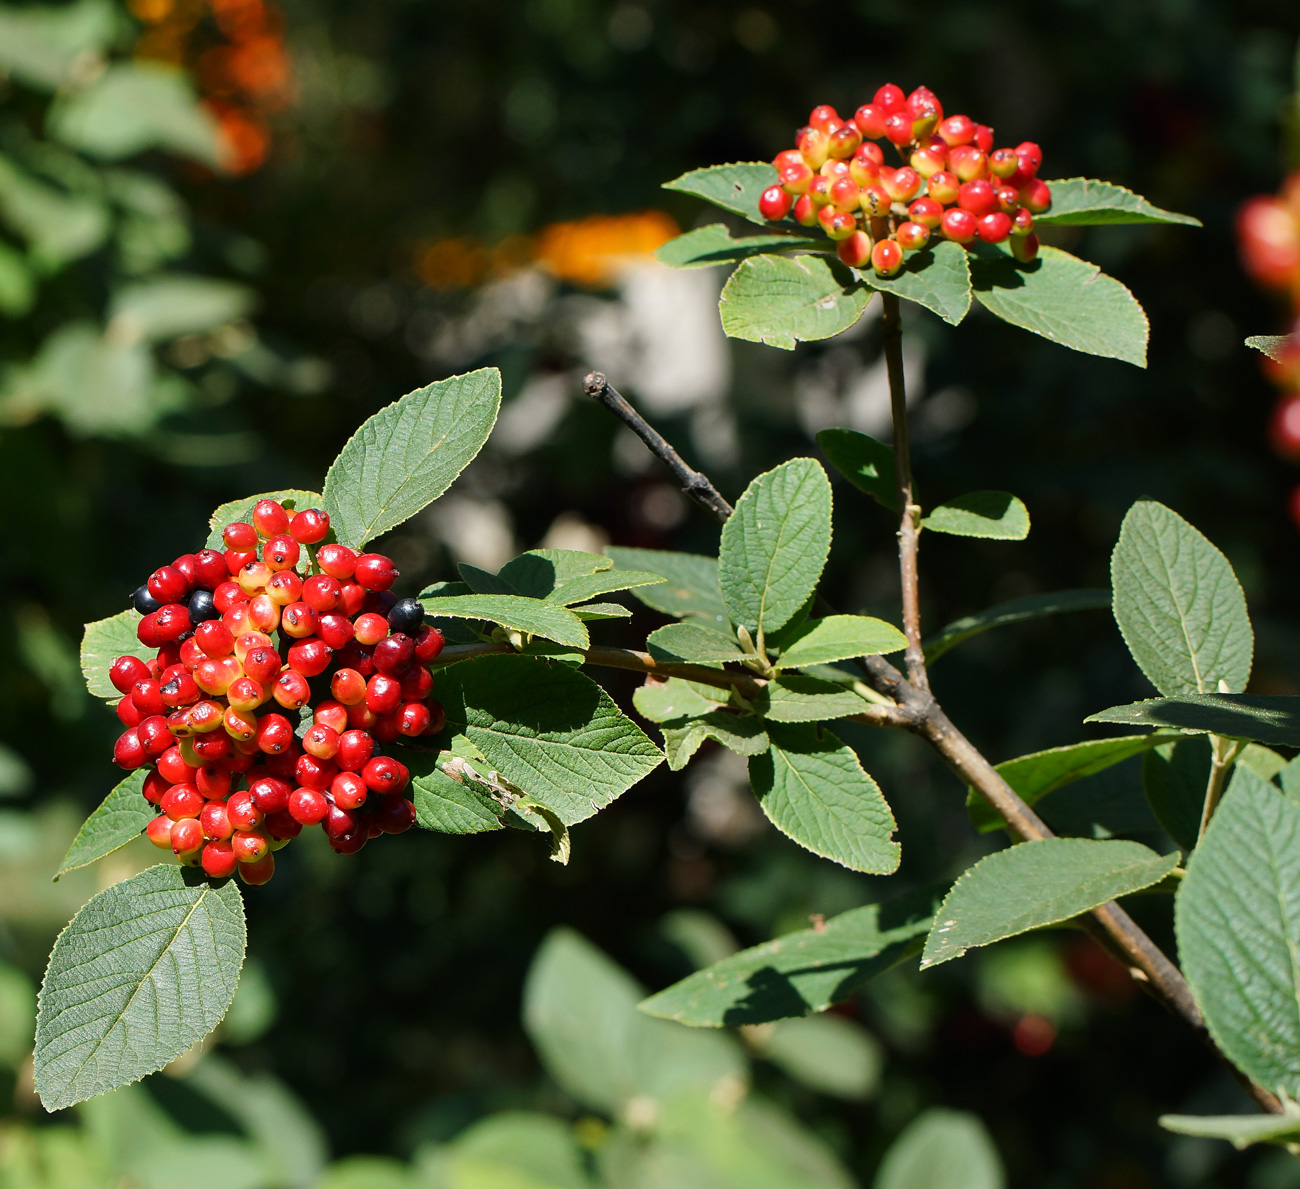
909,526
1223,755
694,484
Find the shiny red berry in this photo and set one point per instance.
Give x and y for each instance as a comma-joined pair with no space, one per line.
214,817
958,225
338,561
308,806
994,228
322,593
383,774
355,749
886,257
310,657
128,751
256,873
349,790
240,536
394,815
269,518
374,571
126,671
309,526
774,203
219,861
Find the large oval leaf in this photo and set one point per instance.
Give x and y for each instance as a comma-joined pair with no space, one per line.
144,971
121,816
783,300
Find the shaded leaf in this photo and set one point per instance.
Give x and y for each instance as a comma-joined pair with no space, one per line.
938,278
827,1053
1271,720
1178,604
775,544
535,616
446,805
120,818
783,300
1237,917
998,515
690,584
813,789
165,307
102,642
942,1149
740,733
599,611
1035,775
483,581
864,462
1064,299
1035,884
802,972
675,698
711,245
735,188
539,571
796,698
1013,611
837,638
692,641
145,970
517,1150
408,454
1087,202
1174,779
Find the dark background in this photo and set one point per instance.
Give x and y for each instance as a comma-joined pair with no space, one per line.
398,973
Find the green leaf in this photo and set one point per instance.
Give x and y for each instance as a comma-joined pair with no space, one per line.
1078,202
1174,779
827,1053
483,581
711,245
447,805
1263,761
102,642
517,1150
740,733
135,106
538,572
408,454
1265,719
41,45
814,791
1064,299
783,300
580,1013
802,972
1237,917
548,729
796,698
663,701
579,590
599,611
735,188
1013,611
237,510
775,545
864,462
1179,606
937,278
692,641
690,581
1272,345
145,970
165,307
1035,884
535,616
837,638
121,817
1239,1130
1035,775
942,1149
998,515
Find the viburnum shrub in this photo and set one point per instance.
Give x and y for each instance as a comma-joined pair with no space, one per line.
755,659
245,746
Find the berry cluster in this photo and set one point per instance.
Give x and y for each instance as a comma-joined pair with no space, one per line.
221,716
1268,233
952,181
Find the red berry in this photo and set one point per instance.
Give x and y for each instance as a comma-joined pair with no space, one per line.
793,179
321,592
291,690
309,526
428,644
259,872
348,686
209,569
284,588
994,228
1022,222
394,654
228,595
215,820
312,773
127,713
262,663
968,163
250,845
886,257
269,518
386,729
310,657
240,536
901,185
128,751
236,559
437,717
978,197
1008,199
353,598
213,782
957,130
823,115
181,801
334,630
374,571
927,162
1036,196
413,719
912,236
922,101
844,142
1029,156
321,741
246,694
126,671
889,98
958,225
269,794
168,585
417,684
349,790
173,621
339,821
984,138
383,693
281,827
159,832
180,690
1024,247
384,774
274,734
774,203
298,620
219,860
854,251
1284,427
394,815
943,187
355,749
173,768
870,120
814,147
925,211
1003,163
154,736
338,561
214,638
898,128
281,552
308,806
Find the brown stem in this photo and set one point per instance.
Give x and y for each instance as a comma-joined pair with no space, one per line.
909,526
915,707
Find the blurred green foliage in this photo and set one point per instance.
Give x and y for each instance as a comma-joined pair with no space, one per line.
172,338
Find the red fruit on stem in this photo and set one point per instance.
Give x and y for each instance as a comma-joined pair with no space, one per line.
259,872
898,128
214,817
869,119
269,518
822,115
308,806
856,250
413,718
187,836
383,693
349,790
957,130
284,588
219,860
321,741
1003,163
886,257
159,832
1024,247
1036,196
902,185
126,671
428,644
274,734
174,769
994,228
844,142
394,815
338,561
978,197
281,552
355,749
417,683
250,845
332,714
394,654
968,163
984,138
889,98
240,536
310,657
168,585
181,801
926,211
383,774
912,236
793,179
958,225
943,187
128,751
1029,156
311,773
309,526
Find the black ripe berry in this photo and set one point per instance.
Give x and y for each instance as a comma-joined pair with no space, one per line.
407,616
143,601
202,607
